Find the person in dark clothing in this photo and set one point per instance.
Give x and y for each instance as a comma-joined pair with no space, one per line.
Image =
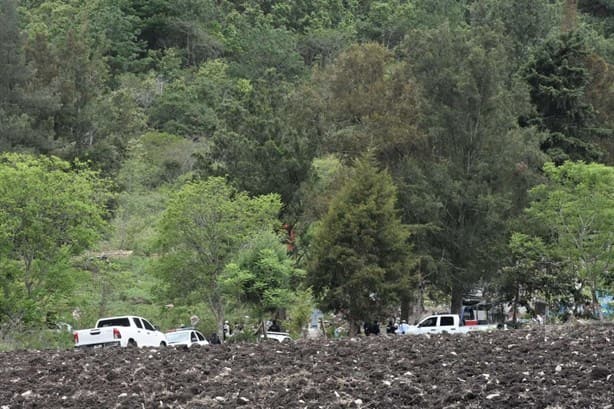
214,340
391,327
374,328
274,327
367,328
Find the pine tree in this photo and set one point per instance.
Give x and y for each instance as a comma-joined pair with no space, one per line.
15,125
12,66
558,78
361,256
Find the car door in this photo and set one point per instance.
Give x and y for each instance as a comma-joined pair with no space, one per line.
446,324
151,335
201,339
429,325
140,330
193,338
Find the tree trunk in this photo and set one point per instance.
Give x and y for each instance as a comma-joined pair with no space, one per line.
515,305
596,305
217,309
354,327
456,303
405,308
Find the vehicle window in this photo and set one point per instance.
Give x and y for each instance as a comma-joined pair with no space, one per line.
446,321
468,315
200,336
114,322
430,322
148,325
193,337
176,337
137,322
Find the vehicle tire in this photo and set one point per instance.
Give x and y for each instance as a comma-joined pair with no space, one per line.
132,343
162,344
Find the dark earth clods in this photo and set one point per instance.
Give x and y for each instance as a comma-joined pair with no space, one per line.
546,367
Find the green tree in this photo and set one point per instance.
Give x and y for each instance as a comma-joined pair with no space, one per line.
371,104
529,273
263,276
463,183
360,255
154,164
201,231
602,11
15,123
577,209
600,95
558,77
49,211
524,23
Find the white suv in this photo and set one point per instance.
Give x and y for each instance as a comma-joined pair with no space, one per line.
277,336
185,336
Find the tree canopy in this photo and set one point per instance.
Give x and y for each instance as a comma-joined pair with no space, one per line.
203,227
361,259
251,115
49,211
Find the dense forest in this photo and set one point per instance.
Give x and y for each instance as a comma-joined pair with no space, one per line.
257,158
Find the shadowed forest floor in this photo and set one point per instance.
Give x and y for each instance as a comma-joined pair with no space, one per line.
547,367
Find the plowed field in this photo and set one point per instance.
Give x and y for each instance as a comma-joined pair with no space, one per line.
552,367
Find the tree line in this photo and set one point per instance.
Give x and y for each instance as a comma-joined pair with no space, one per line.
356,155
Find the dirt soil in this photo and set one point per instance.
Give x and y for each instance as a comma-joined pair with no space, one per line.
547,367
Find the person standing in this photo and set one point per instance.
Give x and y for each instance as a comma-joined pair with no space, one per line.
227,331
391,327
403,328
375,328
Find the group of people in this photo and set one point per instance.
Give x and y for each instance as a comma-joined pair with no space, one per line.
392,327
402,328
371,328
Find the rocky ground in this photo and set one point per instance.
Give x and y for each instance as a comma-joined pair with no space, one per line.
547,367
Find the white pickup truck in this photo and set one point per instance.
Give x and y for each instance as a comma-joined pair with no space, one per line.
443,323
120,331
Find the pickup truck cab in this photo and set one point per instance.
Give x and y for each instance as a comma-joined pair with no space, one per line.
445,323
120,331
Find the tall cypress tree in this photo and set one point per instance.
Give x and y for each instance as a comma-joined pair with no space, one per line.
361,257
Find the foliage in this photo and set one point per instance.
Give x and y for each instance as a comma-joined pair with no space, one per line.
201,230
577,209
454,98
360,251
49,212
558,77
299,313
530,273
525,23
465,181
262,275
371,105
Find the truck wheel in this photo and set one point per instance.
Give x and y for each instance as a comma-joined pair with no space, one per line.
162,344
132,343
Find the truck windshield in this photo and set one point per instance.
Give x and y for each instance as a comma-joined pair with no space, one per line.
114,322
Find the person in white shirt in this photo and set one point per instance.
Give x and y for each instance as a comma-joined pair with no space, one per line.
403,328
